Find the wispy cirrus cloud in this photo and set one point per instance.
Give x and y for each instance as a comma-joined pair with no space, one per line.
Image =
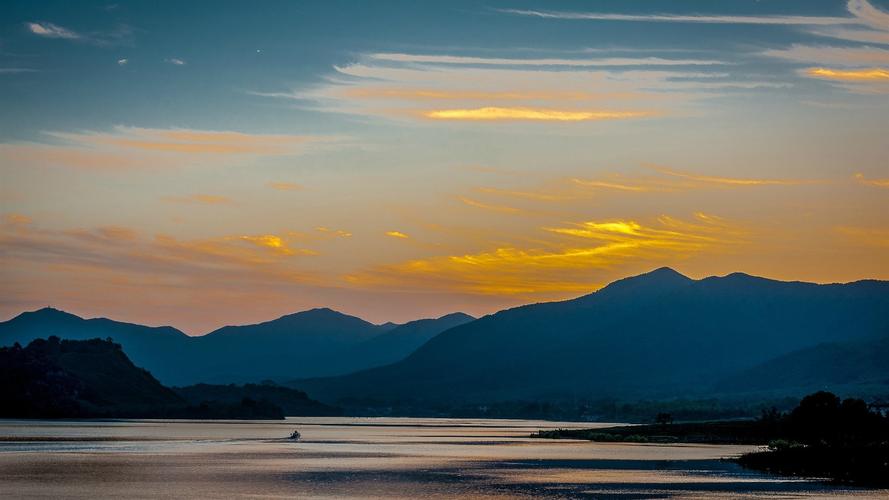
866,23
202,199
469,88
500,61
850,75
683,18
840,56
50,30
488,206
396,234
493,113
119,35
730,181
862,13
568,261
277,244
861,179
123,249
285,186
145,148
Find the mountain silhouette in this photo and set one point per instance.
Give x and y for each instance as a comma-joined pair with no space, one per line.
318,342
164,350
659,334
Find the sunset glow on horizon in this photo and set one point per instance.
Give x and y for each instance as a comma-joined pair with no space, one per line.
270,159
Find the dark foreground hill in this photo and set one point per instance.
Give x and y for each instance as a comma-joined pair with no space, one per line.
318,342
69,378
658,335
56,378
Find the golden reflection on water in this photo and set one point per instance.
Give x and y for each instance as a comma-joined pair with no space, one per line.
364,458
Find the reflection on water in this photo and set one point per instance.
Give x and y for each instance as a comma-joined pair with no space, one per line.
364,458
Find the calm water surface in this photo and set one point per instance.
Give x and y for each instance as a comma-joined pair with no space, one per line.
365,458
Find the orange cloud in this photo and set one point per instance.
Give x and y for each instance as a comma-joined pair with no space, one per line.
470,95
203,199
855,75
397,234
530,195
17,219
883,183
530,114
130,147
612,185
195,141
285,186
277,244
730,181
336,233
567,263
486,206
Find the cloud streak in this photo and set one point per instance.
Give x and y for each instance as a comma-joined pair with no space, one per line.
202,199
564,264
144,148
881,183
851,75
691,18
493,113
730,181
50,30
487,61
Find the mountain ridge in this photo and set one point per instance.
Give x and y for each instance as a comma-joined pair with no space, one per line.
659,334
317,341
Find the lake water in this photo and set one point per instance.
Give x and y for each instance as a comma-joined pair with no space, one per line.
365,458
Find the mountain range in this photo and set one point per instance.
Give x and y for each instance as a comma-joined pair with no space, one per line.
318,342
656,335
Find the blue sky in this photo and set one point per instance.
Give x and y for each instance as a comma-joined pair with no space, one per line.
407,159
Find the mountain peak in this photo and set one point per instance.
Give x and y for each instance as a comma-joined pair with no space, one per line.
657,280
458,316
48,313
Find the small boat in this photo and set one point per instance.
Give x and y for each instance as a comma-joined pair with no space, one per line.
294,436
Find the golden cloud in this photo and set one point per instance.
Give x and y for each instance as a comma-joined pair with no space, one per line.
336,233
730,181
486,206
17,219
852,75
203,199
285,186
396,234
277,244
568,264
195,141
883,183
131,147
530,114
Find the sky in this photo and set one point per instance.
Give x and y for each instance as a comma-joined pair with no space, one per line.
208,163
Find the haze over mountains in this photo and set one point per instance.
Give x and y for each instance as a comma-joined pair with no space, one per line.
657,335
318,342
